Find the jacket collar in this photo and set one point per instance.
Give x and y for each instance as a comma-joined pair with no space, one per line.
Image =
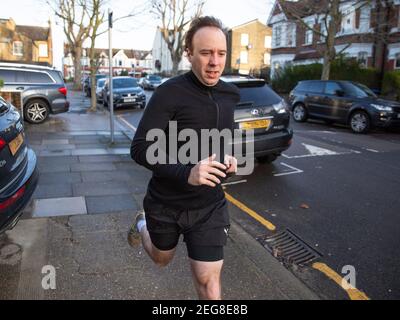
193,78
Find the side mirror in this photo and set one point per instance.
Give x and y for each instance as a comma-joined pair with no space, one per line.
339,93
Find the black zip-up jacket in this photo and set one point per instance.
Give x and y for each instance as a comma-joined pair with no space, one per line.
193,105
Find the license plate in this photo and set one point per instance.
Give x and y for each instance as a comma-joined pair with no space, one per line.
256,124
15,144
129,99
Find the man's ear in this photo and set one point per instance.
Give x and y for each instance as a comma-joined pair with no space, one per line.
189,55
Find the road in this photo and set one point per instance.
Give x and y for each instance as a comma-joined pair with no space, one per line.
340,194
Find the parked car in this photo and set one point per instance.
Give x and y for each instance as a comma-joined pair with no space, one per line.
343,102
18,173
99,89
151,82
43,89
87,83
263,110
126,92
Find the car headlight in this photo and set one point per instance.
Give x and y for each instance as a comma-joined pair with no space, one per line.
381,107
280,107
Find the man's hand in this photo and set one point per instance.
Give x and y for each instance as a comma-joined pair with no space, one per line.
206,172
231,163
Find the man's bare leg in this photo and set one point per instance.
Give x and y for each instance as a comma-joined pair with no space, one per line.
138,231
207,278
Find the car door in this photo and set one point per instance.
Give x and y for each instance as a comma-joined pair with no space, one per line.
337,103
314,98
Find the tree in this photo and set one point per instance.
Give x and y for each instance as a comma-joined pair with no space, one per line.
96,19
174,16
327,12
77,28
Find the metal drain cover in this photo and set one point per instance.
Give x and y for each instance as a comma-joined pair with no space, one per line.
289,248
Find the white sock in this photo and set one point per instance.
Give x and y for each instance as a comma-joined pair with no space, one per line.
141,223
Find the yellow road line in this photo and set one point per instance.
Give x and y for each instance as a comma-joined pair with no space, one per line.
250,212
353,293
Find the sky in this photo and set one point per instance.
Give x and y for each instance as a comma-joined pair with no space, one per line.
136,32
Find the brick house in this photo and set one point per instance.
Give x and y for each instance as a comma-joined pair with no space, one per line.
358,37
25,44
249,47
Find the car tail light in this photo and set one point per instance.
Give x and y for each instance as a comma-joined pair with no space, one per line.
63,90
3,143
10,201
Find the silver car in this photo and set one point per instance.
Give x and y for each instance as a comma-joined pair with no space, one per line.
99,89
43,89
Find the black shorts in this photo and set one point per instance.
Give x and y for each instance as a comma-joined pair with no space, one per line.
205,230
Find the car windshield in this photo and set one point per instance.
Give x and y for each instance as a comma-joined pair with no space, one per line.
124,83
155,78
100,83
358,90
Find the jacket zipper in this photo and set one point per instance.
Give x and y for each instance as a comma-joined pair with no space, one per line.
216,105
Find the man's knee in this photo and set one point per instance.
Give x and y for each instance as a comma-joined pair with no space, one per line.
162,258
211,287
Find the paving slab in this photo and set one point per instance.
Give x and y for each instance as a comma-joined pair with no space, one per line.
56,190
59,207
116,203
107,166
100,188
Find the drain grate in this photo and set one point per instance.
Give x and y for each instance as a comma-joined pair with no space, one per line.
289,248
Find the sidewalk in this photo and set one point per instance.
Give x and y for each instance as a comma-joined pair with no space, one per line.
88,193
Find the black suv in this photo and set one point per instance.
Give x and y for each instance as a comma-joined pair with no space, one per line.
343,102
261,109
43,89
18,173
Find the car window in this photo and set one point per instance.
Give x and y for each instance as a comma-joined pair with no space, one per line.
304,86
155,78
7,75
316,87
260,95
124,83
38,77
100,83
357,91
332,87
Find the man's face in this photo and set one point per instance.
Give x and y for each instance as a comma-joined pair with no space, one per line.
208,55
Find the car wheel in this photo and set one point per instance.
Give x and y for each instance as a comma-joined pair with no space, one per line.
267,159
299,113
142,106
36,111
359,122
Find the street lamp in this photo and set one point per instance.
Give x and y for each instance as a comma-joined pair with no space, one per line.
110,76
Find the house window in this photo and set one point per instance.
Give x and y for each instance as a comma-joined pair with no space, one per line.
120,63
308,37
362,59
348,20
397,61
267,58
290,33
278,36
43,50
243,57
267,42
244,39
18,47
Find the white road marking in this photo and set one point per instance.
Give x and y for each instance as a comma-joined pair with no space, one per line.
233,182
372,150
317,151
296,170
127,123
